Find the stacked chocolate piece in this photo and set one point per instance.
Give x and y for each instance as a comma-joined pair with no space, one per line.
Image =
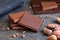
14,18
25,20
45,6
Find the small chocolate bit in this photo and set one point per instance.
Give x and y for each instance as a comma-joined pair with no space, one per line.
17,28
30,21
7,28
17,34
30,7
49,5
22,35
13,36
48,17
16,17
23,32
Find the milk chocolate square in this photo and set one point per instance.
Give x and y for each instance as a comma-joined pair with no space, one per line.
15,17
31,21
48,5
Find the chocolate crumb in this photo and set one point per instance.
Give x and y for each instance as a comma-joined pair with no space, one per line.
23,32
30,7
7,28
47,17
22,35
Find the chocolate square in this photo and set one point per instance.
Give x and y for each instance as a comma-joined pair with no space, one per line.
49,5
31,21
15,17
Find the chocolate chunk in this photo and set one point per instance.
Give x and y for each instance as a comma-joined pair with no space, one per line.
16,26
16,16
48,5
37,9
31,21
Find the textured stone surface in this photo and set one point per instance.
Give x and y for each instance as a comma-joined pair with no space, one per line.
5,35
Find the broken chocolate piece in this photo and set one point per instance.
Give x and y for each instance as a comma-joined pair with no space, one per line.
16,26
16,16
49,5
31,21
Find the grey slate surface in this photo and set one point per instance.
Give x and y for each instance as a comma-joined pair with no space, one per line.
4,22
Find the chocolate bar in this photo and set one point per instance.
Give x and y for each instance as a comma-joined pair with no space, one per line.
40,9
16,17
31,21
35,3
37,9
48,5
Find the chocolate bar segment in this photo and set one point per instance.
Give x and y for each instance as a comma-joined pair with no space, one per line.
16,17
30,21
48,5
16,26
